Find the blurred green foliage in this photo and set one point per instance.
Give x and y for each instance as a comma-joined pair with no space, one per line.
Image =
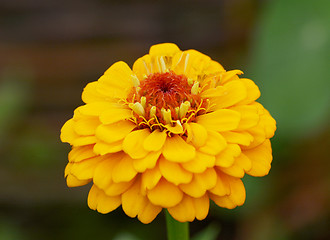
290,63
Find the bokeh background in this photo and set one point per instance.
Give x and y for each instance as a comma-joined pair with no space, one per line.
49,50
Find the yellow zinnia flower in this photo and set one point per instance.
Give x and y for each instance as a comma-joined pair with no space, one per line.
174,132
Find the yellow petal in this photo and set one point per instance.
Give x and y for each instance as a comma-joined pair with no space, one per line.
184,211
231,76
215,143
165,194
132,200
191,63
98,200
200,183
94,109
261,158
154,141
141,67
177,150
107,204
222,186
115,189
146,162
202,206
133,143
249,116
67,169
241,165
72,181
253,92
114,115
116,81
150,178
90,94
83,141
86,126
149,213
103,148
173,172
164,49
199,163
234,170
226,157
124,170
234,93
220,120
78,154
85,169
199,134
236,196
114,132
103,172
242,137
67,132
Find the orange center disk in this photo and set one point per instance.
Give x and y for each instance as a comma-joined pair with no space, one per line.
165,90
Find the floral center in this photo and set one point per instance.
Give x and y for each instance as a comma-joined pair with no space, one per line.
165,101
165,90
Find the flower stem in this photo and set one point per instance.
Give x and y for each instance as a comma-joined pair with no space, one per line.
176,230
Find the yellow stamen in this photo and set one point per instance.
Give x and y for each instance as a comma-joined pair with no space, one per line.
167,116
195,88
137,108
184,107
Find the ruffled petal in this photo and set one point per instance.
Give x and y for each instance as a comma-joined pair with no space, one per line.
124,170
103,148
150,178
177,150
133,201
164,49
114,132
235,198
200,183
261,158
90,94
202,206
72,181
85,169
116,81
198,134
165,194
149,213
86,126
67,132
243,137
227,156
173,172
199,163
83,141
220,120
115,115
103,172
249,116
252,89
184,211
98,200
78,154
234,93
133,145
146,162
155,141
215,143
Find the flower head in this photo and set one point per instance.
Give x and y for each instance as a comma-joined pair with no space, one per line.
174,132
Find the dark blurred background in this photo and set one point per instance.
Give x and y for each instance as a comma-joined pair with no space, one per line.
49,50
